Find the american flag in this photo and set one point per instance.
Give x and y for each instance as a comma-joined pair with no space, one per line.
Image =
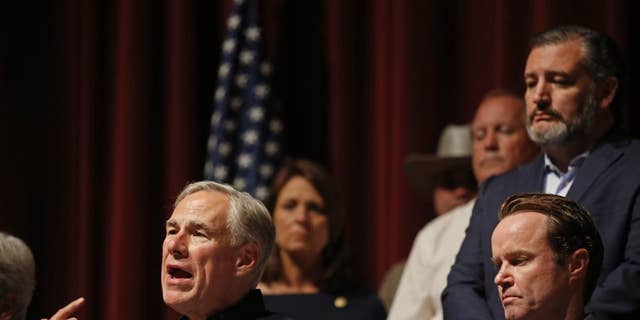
244,146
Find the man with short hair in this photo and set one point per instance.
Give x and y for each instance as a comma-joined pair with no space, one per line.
17,277
18,280
573,77
499,143
548,255
215,249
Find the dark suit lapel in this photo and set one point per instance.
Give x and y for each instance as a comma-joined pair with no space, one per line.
536,181
601,158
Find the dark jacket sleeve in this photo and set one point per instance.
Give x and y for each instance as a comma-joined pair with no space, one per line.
617,296
464,296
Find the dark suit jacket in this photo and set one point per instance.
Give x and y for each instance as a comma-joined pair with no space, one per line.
608,185
359,305
250,307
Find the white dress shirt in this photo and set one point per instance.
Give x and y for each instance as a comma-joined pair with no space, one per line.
425,275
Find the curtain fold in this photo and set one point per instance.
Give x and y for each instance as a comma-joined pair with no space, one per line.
105,107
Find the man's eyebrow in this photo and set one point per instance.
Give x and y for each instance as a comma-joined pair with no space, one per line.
560,73
549,73
171,223
518,253
199,225
511,255
191,225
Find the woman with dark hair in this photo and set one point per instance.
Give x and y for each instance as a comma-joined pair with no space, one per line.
308,275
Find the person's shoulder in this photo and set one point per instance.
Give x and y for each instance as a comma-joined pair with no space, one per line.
620,139
362,301
462,212
514,177
523,170
353,290
618,146
353,303
633,146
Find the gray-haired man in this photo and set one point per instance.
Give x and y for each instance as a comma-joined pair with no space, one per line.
216,245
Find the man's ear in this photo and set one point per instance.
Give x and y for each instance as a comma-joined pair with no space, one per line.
247,258
578,263
606,92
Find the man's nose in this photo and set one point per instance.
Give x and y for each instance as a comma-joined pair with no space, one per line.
541,95
177,246
503,278
491,140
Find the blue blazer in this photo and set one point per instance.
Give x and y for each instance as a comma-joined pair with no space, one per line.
608,185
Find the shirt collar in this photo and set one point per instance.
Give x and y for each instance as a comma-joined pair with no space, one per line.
576,162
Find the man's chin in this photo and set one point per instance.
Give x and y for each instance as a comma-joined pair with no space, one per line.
514,313
176,298
548,135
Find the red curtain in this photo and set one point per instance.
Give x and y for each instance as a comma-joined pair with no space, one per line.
105,110
107,115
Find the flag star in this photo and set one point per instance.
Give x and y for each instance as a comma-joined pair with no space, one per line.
236,103
229,125
228,45
252,33
256,113
250,137
262,192
234,21
246,56
224,69
225,149
208,168
215,118
211,143
245,160
220,92
271,148
261,90
220,173
276,126
240,183
266,170
266,68
241,80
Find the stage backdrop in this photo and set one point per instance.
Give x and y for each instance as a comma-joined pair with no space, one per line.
105,107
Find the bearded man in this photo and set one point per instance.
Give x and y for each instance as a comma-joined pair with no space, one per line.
573,79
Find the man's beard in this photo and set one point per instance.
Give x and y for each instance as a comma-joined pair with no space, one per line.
562,131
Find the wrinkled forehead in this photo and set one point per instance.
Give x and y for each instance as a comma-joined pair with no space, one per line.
210,207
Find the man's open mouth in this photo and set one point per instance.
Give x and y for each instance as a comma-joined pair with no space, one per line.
177,273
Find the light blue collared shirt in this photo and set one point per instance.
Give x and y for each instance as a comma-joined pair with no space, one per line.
558,182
